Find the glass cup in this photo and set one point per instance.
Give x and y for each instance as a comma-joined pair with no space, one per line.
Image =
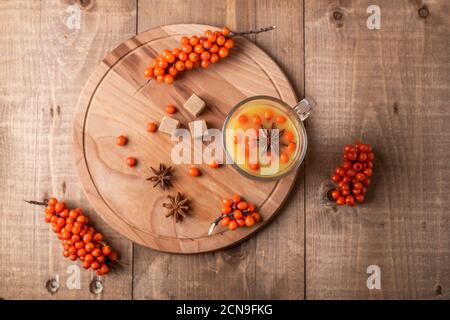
262,107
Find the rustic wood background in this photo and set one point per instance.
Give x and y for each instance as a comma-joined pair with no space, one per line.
389,87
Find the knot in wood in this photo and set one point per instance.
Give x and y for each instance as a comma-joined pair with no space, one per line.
337,15
96,286
86,4
423,12
52,285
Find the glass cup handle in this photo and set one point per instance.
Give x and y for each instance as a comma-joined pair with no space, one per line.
304,107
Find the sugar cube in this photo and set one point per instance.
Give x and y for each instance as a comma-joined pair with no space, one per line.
194,105
168,125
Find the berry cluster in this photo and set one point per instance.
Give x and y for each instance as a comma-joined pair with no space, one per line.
194,52
353,177
80,240
238,213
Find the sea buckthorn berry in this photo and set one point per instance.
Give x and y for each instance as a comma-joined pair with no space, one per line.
188,64
106,250
205,64
232,225
368,172
336,178
151,127
194,172
291,146
350,173
104,269
199,49
50,209
158,71
207,45
340,201
240,222
95,265
205,56
288,135
236,198
89,246
212,37
227,202
242,205
131,161
360,176
229,43
352,156
163,63
96,252
187,48
52,202
280,119
346,165
360,198
183,56
173,71
221,40
362,157
193,40
225,221
148,73
214,49
214,58
237,214
225,31
59,207
345,192
243,118
214,164
335,194
184,41
254,166
160,78
223,52
350,200
87,237
168,78
226,210
249,220
170,109
256,216
180,65
193,56
251,207
357,166
121,140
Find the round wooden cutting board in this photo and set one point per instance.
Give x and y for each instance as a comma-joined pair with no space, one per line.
109,106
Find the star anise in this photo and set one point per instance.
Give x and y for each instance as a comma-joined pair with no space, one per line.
161,177
268,136
177,207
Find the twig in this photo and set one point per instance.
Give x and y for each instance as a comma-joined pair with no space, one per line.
243,33
38,203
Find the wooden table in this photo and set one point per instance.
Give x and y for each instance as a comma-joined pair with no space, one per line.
389,87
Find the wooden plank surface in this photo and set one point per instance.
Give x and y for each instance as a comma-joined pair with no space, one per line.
43,67
389,87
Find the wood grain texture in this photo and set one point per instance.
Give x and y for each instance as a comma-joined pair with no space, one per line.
233,273
389,87
109,106
43,67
